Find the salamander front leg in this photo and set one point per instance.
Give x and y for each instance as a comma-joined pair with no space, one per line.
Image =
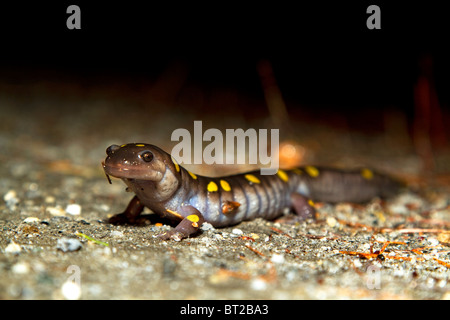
130,215
188,226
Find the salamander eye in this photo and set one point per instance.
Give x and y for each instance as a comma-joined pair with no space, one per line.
147,156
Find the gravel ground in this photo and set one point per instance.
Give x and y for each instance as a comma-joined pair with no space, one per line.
55,244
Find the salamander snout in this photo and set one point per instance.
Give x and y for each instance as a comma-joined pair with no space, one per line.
111,149
136,161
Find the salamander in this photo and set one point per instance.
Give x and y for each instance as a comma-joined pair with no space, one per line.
173,192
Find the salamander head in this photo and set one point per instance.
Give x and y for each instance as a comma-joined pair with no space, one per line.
136,161
147,170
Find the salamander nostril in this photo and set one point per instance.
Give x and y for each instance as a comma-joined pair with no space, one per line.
111,149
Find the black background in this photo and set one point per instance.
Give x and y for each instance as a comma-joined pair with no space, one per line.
322,53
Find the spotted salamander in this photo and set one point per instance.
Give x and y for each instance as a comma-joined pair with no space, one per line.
171,191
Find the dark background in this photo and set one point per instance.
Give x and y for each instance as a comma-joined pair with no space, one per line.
322,54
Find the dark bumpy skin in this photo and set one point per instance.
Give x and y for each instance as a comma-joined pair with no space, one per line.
171,191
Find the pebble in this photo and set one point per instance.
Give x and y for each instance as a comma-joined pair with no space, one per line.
331,221
20,268
73,209
344,208
104,207
68,244
13,248
433,241
117,234
258,285
71,290
55,211
254,236
207,226
31,220
443,237
237,231
277,258
11,199
357,263
380,238
49,199
218,236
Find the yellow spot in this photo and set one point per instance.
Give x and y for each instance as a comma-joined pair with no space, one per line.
212,187
192,175
252,178
140,145
297,171
380,216
367,174
174,213
311,203
194,219
312,171
177,167
123,145
283,175
225,185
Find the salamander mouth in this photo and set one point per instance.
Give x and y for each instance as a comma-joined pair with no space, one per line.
127,172
106,174
117,171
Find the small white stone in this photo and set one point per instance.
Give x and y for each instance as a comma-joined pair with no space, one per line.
218,236
73,209
277,258
71,290
198,261
433,241
104,207
11,194
237,231
207,226
13,248
331,222
11,199
20,268
31,220
49,199
68,244
33,186
117,234
258,285
55,211
357,263
107,251
380,238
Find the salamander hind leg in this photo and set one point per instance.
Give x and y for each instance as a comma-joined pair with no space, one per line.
303,207
130,215
188,226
